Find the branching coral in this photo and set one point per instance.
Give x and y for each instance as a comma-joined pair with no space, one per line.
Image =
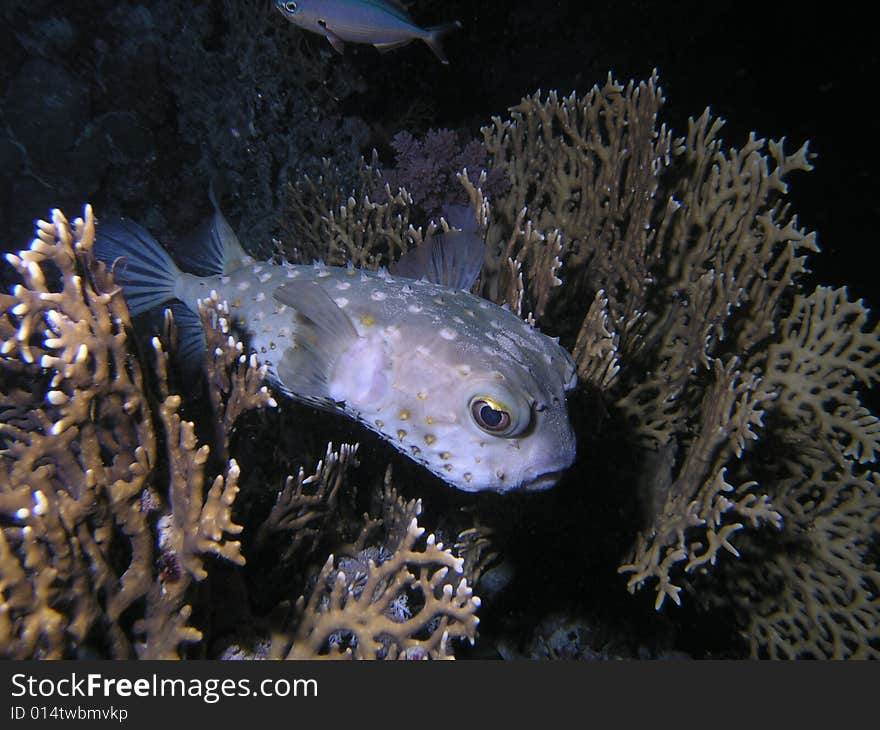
367,227
110,512
407,599
428,169
79,468
699,334
305,502
674,267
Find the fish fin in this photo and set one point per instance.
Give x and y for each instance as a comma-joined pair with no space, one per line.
335,41
146,272
213,248
435,33
385,47
191,344
233,255
323,332
452,259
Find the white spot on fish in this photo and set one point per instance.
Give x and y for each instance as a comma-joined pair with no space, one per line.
244,285
292,273
448,334
264,277
378,296
257,268
224,279
414,309
341,302
261,297
343,285
323,274
422,351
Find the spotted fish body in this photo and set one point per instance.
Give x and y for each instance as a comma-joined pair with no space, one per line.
460,385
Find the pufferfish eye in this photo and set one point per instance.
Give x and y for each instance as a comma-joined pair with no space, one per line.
492,416
290,7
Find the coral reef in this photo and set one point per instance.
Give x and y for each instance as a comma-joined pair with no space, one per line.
149,101
107,526
397,601
428,169
78,468
672,267
702,338
684,303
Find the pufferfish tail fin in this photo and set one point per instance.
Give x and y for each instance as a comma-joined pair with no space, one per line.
146,272
149,278
212,248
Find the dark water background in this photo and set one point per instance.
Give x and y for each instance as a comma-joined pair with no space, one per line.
804,75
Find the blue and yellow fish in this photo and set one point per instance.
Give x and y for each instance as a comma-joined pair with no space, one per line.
376,22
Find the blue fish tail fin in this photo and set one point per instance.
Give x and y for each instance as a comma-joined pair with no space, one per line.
140,264
435,33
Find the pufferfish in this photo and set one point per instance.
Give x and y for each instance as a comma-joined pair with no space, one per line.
460,385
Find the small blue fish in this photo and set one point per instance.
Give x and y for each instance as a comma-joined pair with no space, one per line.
377,22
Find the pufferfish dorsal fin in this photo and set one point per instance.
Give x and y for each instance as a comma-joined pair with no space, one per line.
322,333
213,248
452,259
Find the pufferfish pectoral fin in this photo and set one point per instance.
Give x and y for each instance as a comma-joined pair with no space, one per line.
322,333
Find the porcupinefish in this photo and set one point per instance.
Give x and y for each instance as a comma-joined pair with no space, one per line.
377,22
462,386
